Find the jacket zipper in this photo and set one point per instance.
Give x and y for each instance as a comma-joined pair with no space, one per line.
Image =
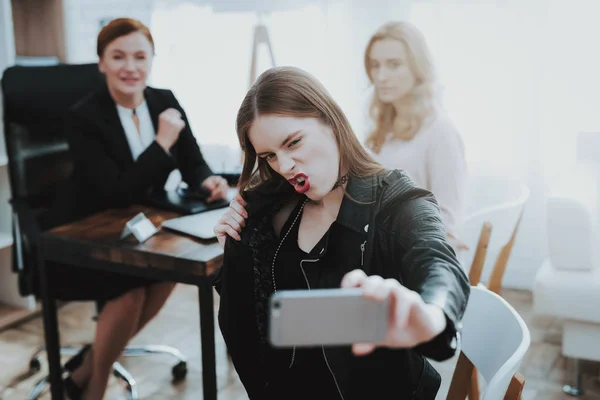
362,253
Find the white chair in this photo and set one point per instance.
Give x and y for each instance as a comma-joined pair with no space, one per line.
496,204
494,340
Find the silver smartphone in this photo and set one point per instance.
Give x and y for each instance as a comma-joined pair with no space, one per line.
326,317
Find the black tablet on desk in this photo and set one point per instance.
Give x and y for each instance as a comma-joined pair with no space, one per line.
173,201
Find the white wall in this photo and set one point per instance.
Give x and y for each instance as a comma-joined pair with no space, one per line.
83,22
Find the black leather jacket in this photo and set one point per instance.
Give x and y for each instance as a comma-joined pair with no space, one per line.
405,241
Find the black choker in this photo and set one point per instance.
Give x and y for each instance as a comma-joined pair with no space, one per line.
340,182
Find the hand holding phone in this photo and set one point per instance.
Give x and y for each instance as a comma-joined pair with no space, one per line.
367,312
411,320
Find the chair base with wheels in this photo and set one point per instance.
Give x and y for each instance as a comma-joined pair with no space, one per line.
178,371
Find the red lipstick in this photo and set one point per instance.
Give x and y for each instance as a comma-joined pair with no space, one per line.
300,182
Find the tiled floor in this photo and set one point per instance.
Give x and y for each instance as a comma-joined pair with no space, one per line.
178,325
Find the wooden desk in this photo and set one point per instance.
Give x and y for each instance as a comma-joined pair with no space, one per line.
94,242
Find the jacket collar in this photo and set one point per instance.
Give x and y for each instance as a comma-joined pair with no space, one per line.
358,205
155,106
113,127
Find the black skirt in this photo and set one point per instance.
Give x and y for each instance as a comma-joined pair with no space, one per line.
71,283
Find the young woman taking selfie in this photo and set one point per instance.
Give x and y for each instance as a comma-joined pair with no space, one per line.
319,212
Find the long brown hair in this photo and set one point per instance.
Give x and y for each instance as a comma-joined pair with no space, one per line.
289,91
421,99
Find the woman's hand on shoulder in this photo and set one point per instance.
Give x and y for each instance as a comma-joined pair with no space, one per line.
411,321
232,222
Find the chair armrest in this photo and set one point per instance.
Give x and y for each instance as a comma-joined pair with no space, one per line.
26,232
25,216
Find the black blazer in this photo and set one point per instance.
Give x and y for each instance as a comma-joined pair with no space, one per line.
104,172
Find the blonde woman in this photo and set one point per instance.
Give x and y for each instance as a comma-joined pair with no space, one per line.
410,130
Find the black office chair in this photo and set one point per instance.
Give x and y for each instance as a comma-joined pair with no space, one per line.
35,102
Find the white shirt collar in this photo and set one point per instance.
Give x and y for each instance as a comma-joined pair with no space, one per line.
138,141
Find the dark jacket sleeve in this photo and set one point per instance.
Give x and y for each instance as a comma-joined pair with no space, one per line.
191,163
235,284
430,268
101,175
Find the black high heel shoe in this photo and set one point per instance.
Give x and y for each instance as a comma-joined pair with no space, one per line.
77,360
72,391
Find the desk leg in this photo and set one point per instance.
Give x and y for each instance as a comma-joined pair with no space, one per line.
51,333
207,336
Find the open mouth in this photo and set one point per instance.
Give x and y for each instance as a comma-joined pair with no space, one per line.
300,182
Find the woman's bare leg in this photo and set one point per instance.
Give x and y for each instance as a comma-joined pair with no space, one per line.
156,297
117,323
151,301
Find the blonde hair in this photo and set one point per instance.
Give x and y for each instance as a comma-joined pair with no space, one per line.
289,91
420,100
